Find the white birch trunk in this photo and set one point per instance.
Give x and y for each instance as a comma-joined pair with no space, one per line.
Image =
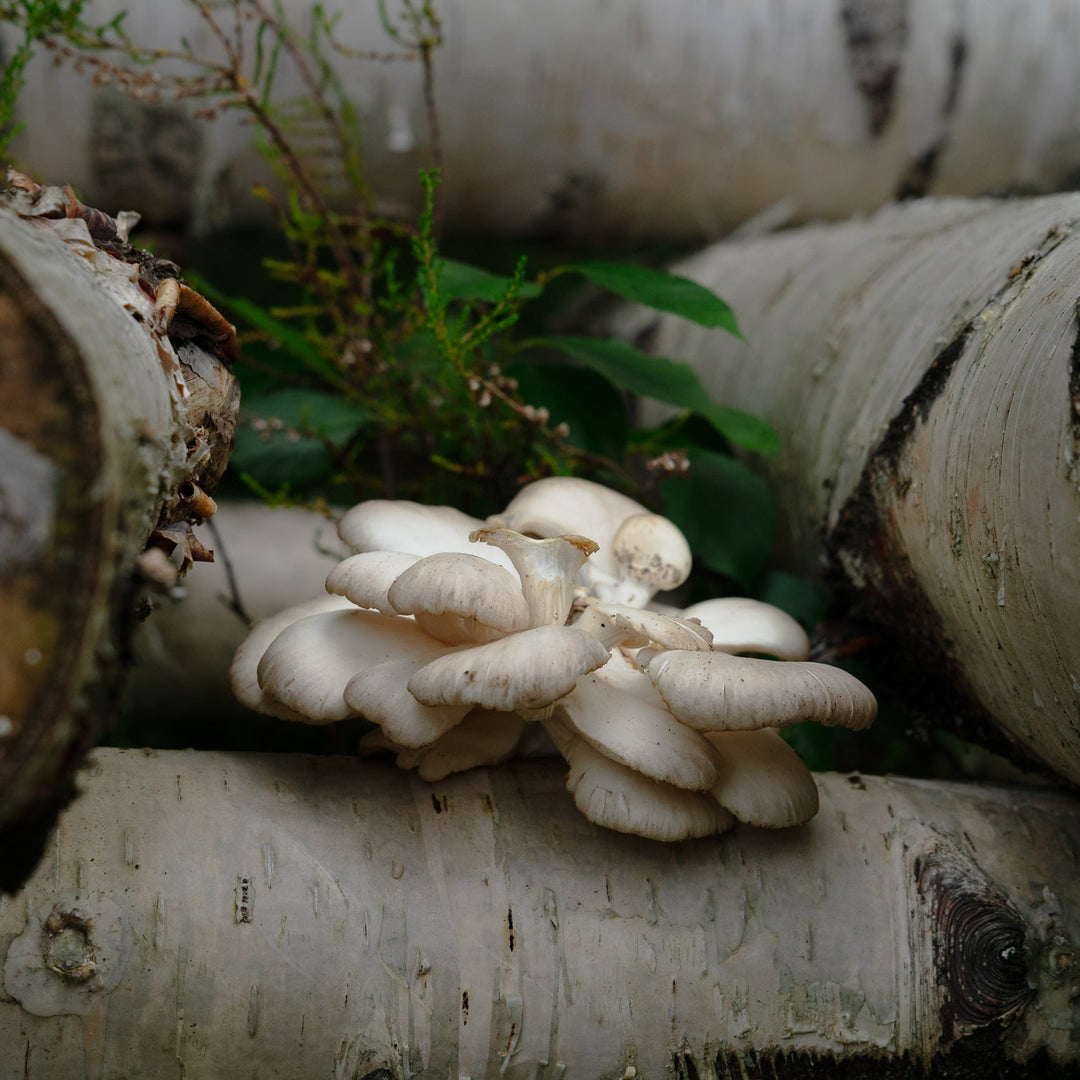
241,915
663,118
923,370
101,423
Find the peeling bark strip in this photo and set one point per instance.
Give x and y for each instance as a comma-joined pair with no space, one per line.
381,949
920,367
105,434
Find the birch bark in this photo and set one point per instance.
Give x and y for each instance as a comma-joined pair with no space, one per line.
289,916
674,119
923,369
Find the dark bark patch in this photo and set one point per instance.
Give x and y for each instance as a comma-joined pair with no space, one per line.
920,174
958,50
915,183
919,402
1074,396
980,952
870,569
682,1065
138,147
978,1057
876,33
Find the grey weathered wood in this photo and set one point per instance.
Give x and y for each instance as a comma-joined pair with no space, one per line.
101,422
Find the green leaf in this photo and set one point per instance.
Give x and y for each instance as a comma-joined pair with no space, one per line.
312,414
726,512
294,451
289,338
670,381
460,281
801,598
593,409
660,290
275,462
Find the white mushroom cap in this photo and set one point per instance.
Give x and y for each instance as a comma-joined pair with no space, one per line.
557,505
460,598
483,738
619,798
761,779
653,556
380,693
621,624
713,691
400,525
525,671
616,710
739,624
546,567
243,673
308,665
365,578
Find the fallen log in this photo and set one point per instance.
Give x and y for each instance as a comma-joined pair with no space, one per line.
295,916
590,109
111,432
923,369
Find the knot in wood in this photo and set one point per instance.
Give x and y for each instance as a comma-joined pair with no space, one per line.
980,945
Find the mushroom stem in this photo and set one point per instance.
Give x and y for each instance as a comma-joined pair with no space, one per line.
546,567
653,556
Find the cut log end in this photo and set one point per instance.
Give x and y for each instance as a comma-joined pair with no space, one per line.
106,432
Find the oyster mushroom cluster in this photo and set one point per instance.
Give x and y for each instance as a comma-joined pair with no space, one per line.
471,642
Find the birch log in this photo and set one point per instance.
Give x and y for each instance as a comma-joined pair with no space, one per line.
217,915
182,654
923,369
106,430
662,118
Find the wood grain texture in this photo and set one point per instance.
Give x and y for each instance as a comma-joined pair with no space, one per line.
921,367
297,916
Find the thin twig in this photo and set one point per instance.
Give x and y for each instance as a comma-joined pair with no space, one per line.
231,600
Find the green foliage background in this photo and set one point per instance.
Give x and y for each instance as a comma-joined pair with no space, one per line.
383,359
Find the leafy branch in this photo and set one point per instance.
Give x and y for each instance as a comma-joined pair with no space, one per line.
385,367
